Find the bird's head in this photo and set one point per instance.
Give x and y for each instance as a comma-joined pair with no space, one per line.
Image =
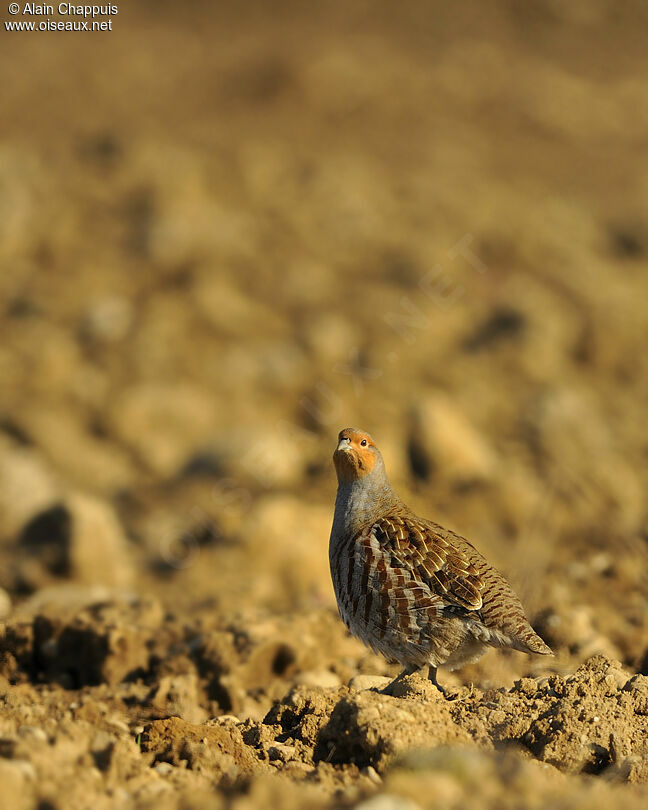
356,455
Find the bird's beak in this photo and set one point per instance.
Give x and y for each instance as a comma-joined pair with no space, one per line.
343,444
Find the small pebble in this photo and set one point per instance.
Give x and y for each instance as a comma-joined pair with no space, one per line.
281,752
32,732
372,774
25,767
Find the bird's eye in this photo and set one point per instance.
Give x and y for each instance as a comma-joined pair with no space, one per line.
363,443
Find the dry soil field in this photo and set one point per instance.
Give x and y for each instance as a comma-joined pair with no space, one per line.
228,231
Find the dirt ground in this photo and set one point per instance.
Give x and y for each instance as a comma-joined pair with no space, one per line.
228,231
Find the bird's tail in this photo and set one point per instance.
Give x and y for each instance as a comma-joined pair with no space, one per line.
529,641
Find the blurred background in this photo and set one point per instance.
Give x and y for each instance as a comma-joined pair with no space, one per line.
228,231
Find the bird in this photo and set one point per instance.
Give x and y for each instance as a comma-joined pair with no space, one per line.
411,590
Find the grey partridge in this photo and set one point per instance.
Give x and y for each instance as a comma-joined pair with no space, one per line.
408,588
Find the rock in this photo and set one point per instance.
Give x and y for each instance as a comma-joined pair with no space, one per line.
64,601
288,537
322,678
79,538
281,752
371,774
364,682
27,485
32,733
441,438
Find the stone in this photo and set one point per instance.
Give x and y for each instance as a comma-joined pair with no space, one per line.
79,538
364,682
291,536
323,678
282,752
442,438
27,485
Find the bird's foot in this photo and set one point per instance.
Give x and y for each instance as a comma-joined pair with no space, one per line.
432,676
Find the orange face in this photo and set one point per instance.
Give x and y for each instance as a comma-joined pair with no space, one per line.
355,455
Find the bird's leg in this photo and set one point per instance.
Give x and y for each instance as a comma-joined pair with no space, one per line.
410,669
432,675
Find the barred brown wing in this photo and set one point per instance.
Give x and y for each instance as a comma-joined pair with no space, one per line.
432,559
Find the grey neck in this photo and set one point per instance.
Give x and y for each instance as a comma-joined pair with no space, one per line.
359,502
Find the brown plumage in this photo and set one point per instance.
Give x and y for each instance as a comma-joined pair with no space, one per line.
408,588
